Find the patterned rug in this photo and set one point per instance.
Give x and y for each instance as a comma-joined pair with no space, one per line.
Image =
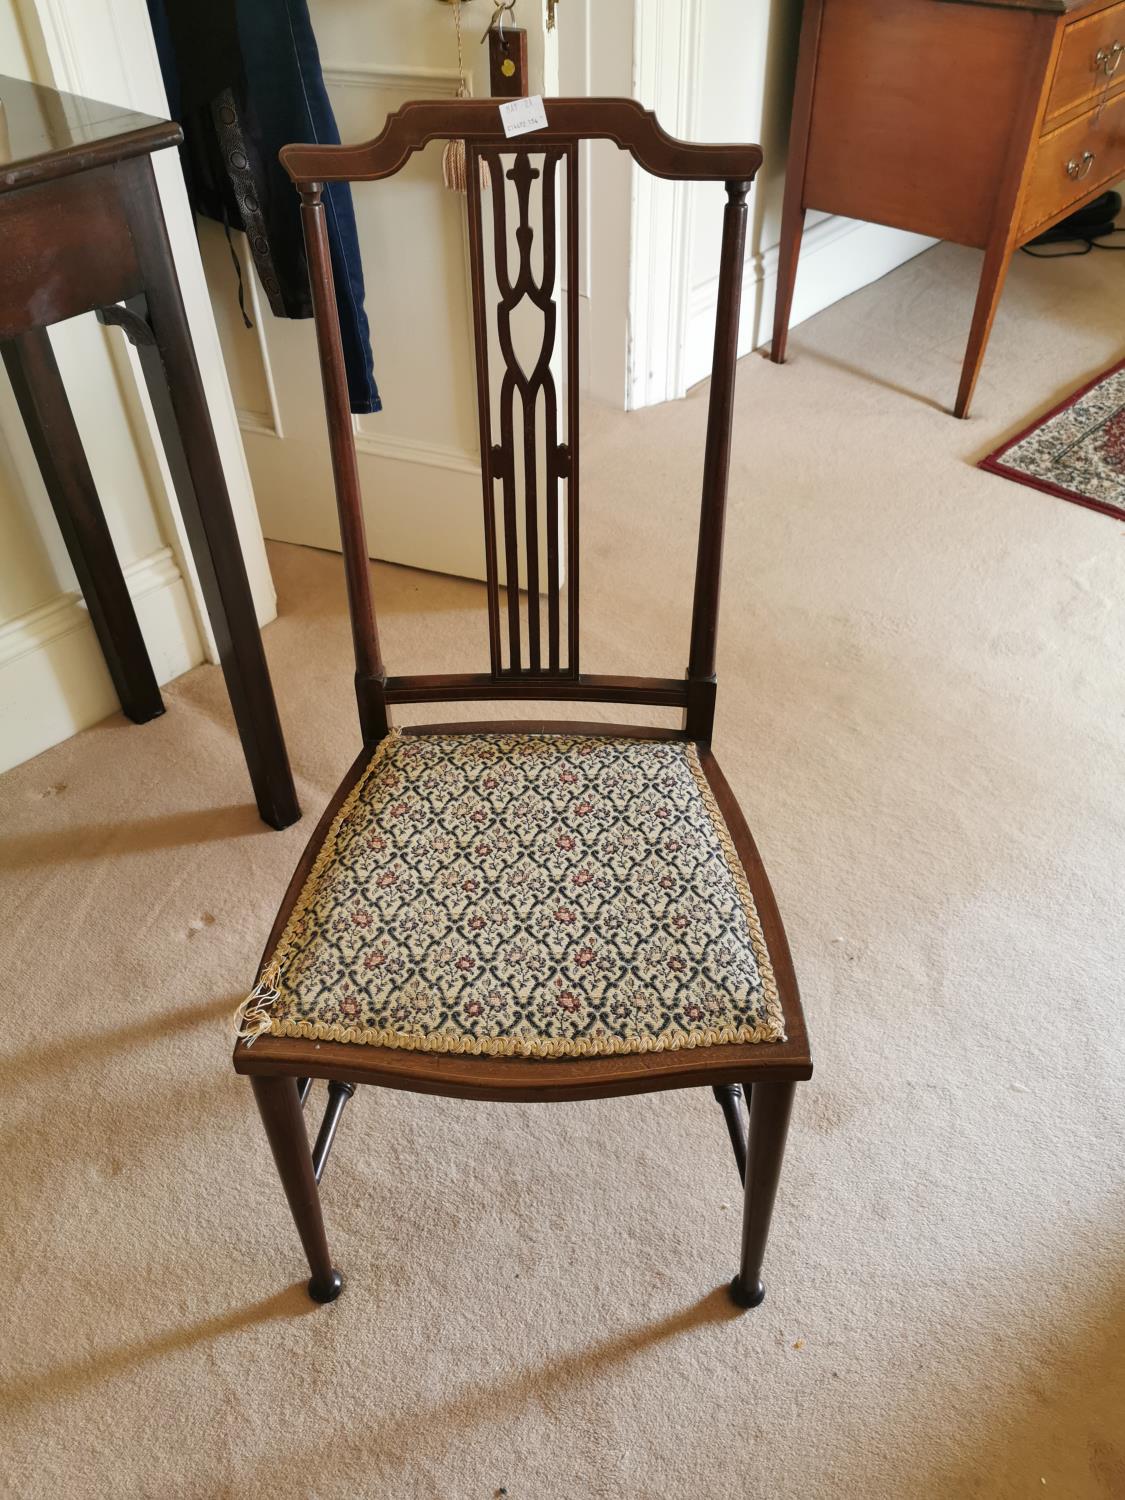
524,895
1076,451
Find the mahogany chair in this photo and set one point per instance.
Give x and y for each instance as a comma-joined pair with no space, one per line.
531,911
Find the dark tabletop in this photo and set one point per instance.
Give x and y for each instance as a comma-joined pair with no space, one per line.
46,134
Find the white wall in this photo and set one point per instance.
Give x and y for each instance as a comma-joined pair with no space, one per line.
722,70
52,677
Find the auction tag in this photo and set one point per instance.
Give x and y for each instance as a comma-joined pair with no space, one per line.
519,116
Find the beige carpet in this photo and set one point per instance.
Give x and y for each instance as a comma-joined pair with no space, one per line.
922,706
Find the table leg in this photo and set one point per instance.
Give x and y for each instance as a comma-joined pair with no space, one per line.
789,251
997,259
57,444
180,406
793,208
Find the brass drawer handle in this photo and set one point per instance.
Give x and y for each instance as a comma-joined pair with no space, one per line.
1081,167
1107,60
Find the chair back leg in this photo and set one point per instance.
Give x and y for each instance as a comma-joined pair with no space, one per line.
730,1097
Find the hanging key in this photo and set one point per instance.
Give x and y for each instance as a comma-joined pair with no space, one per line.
507,55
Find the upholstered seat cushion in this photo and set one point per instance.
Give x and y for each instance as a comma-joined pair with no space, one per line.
522,894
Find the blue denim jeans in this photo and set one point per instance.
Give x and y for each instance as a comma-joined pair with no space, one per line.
244,79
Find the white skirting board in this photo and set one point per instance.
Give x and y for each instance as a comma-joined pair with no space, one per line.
50,659
838,256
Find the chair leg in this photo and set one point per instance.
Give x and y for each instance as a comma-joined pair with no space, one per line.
284,1120
770,1108
338,1096
729,1097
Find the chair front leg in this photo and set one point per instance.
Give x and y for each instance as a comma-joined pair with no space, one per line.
280,1107
770,1108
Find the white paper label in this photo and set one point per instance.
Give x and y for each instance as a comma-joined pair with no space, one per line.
519,116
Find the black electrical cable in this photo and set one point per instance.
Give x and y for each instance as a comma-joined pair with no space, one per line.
1088,243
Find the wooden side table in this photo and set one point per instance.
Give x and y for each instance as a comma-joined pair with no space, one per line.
978,121
81,229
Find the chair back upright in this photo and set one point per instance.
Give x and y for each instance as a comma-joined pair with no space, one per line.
529,446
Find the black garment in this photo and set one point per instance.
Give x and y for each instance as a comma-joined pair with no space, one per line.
244,79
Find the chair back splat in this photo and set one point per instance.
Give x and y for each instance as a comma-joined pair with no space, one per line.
531,442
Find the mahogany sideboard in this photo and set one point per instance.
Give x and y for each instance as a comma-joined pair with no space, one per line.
81,230
977,121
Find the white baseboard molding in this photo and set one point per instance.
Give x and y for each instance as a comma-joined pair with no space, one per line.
411,451
838,256
50,659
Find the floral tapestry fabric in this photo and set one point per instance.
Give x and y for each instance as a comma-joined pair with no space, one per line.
526,895
1077,451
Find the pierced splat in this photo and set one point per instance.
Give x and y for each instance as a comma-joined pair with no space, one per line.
515,461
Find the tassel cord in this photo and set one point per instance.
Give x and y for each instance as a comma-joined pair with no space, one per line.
454,159
254,1016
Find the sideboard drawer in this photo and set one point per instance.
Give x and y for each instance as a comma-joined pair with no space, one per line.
1092,58
1072,161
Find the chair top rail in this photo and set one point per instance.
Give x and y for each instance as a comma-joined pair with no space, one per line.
477,122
